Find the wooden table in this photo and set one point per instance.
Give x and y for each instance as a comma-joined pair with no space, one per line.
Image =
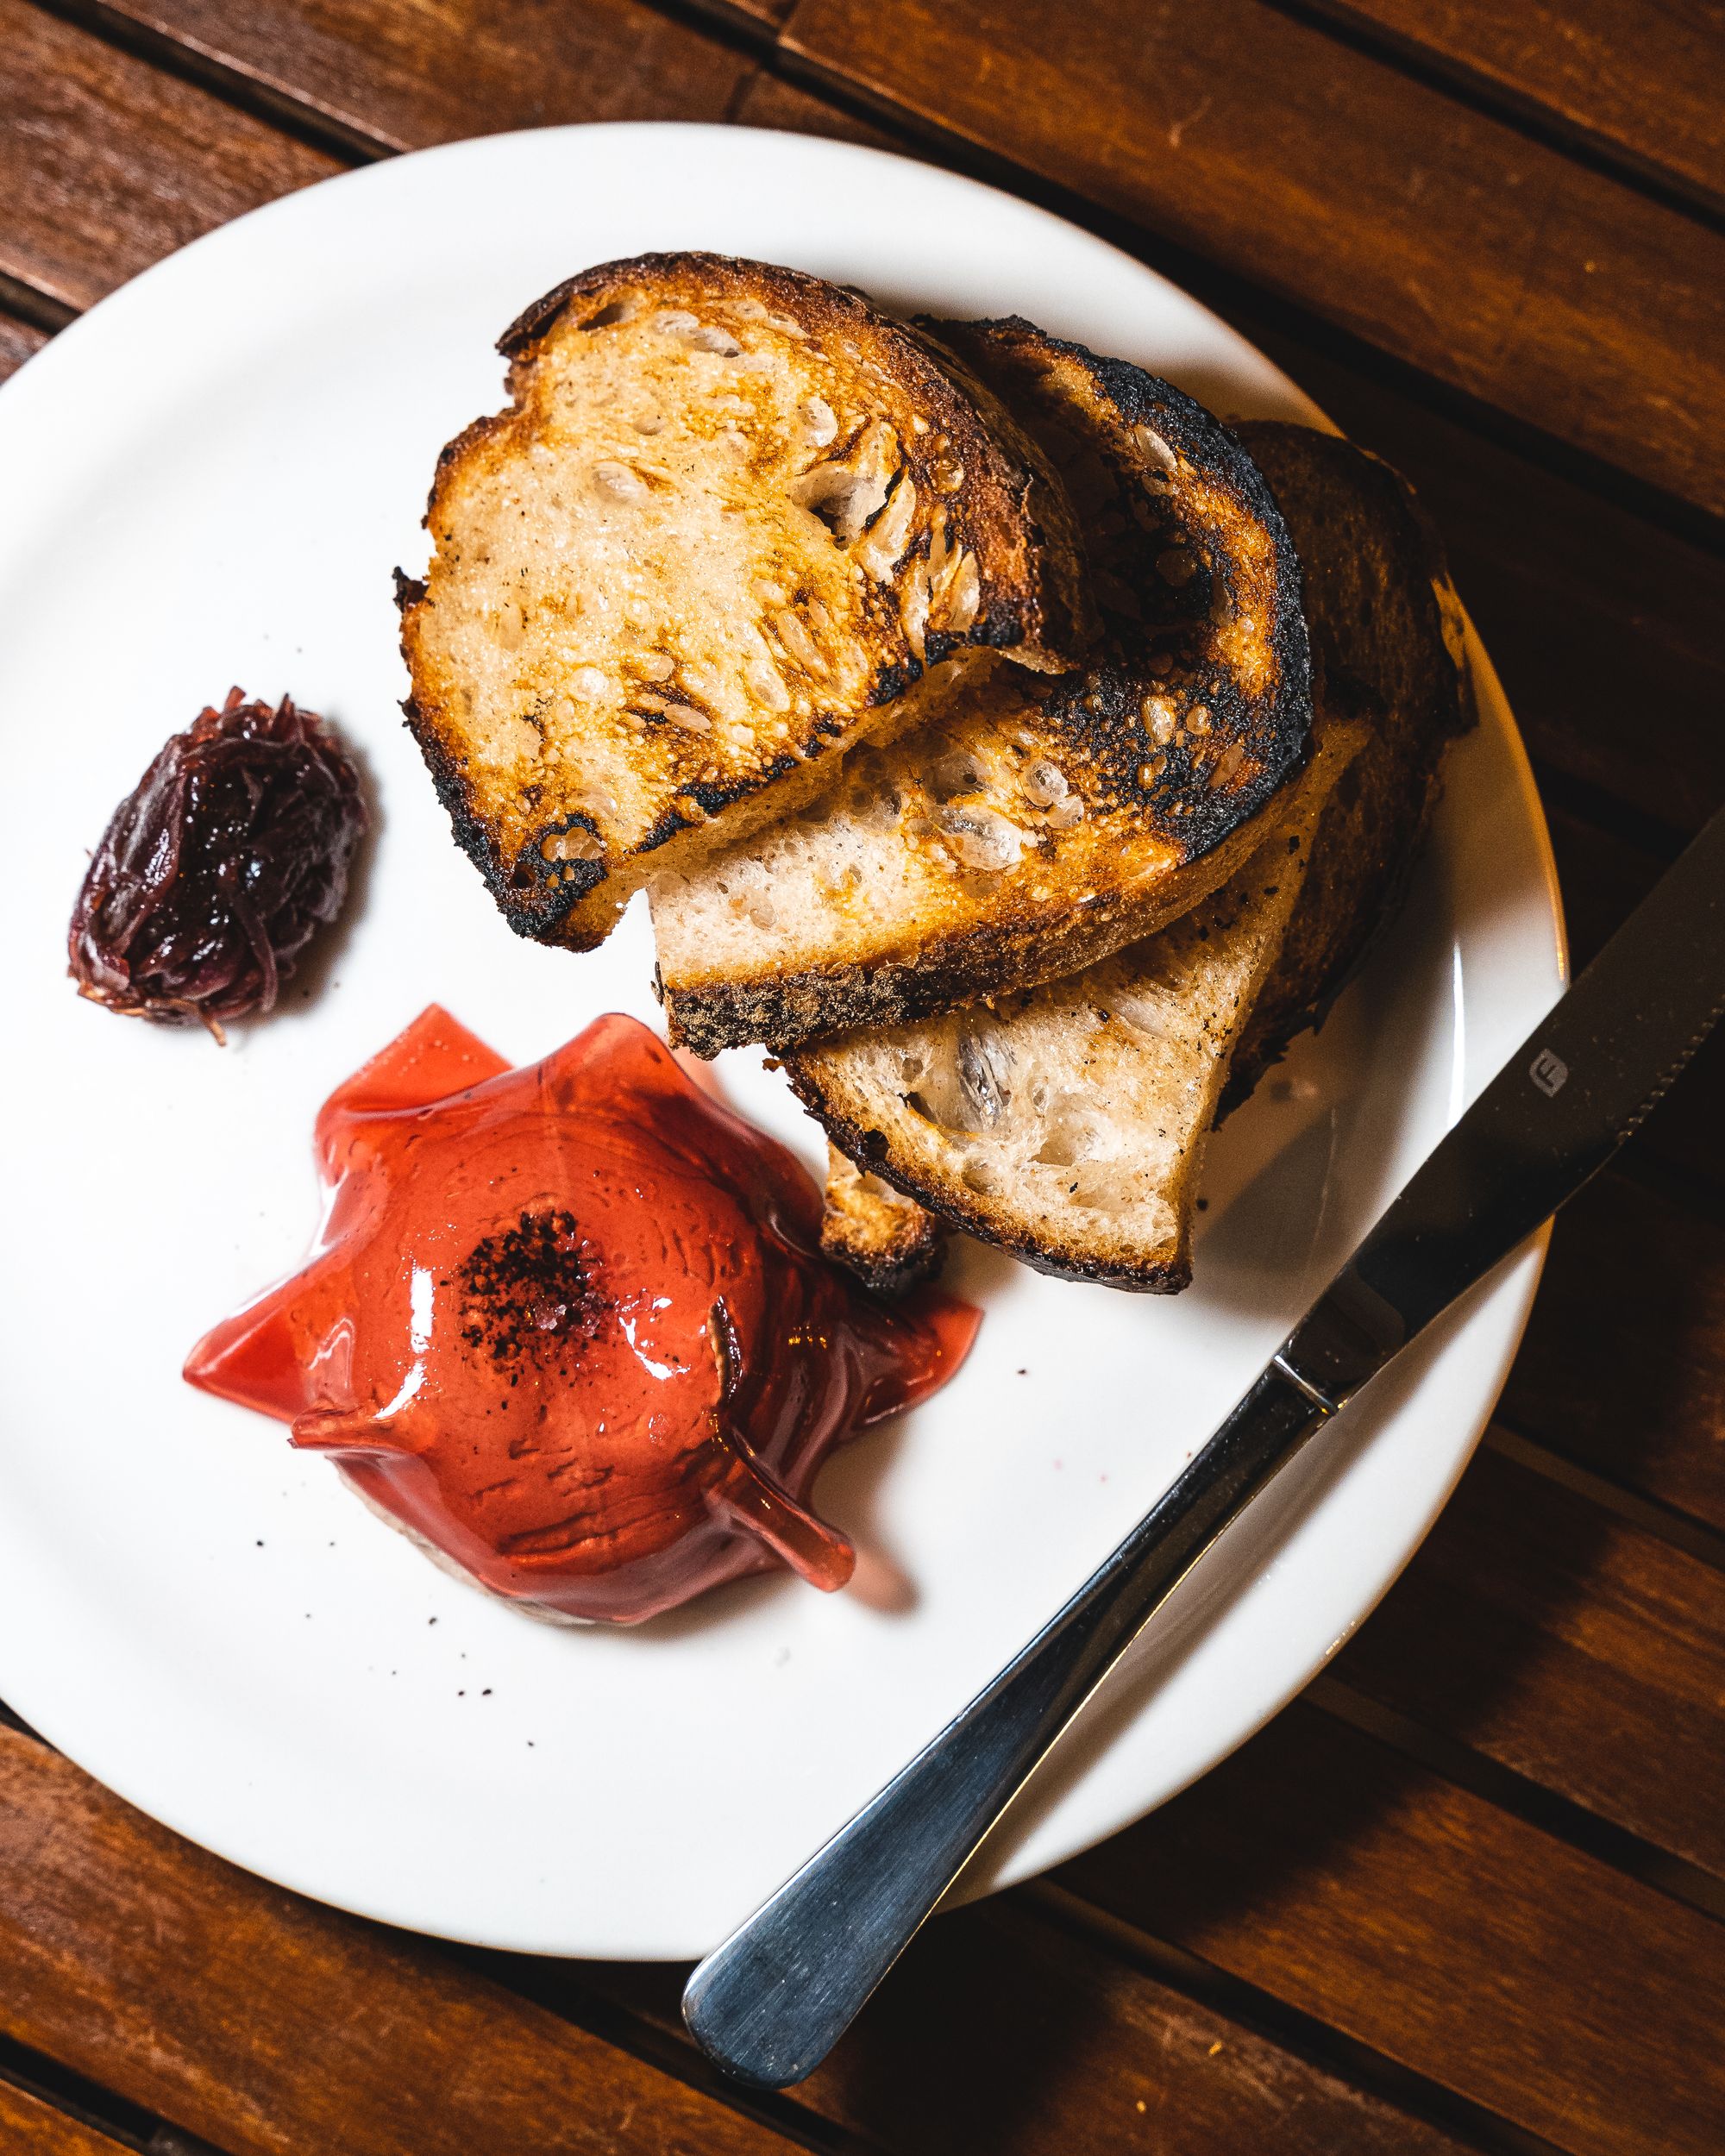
1467,1894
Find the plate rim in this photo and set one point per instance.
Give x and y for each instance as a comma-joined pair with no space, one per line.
16,397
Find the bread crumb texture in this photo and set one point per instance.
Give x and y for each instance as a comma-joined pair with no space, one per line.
728,518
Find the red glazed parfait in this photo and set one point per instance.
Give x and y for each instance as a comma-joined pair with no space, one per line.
569,1324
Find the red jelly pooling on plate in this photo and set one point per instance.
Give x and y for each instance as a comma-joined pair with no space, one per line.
569,1324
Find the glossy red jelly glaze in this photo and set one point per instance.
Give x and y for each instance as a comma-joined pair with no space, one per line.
570,1324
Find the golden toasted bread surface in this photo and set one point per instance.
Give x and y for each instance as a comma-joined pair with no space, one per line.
888,1240
1067,1123
730,516
1029,827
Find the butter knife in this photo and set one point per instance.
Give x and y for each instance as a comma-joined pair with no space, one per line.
770,2002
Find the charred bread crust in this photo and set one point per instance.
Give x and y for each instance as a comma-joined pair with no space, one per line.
1390,633
509,745
1232,514
1199,591
889,1242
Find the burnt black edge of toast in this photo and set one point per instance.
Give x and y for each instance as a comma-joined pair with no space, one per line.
1194,818
1422,559
1141,398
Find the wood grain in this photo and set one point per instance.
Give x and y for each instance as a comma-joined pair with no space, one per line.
400,74
106,164
1641,80
1575,596
1318,1865
19,340
754,15
1414,1917
273,2027
1563,1644
1566,298
768,101
1601,624
1438,233
30,2127
1623,1369
998,2034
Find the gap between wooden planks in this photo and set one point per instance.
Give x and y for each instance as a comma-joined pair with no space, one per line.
1576,598
1523,1989
1332,177
265,2024
1526,1663
1315,1863
1319,172
1640,83
262,2022
28,2126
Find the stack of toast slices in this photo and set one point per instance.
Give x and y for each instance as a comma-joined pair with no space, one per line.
1018,753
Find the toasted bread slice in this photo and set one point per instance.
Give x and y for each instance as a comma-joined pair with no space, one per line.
888,1240
730,518
1388,629
1384,612
1067,1123
1029,829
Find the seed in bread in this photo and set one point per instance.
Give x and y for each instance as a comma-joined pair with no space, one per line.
1030,829
731,518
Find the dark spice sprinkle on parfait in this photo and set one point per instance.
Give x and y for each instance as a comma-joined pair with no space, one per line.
525,1292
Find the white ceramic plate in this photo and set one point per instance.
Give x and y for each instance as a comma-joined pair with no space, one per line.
208,480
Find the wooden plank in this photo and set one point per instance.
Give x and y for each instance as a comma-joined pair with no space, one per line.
768,101
30,2127
401,77
274,2027
1639,81
1623,1369
106,164
1604,878
1573,595
999,2034
18,341
1582,1653
1504,1966
399,74
1575,598
1446,236
753,16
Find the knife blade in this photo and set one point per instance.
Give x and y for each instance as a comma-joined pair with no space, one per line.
769,2003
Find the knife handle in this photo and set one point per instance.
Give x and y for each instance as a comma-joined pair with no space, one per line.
770,2002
